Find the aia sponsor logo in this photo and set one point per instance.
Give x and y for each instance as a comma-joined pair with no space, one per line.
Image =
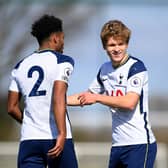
118,91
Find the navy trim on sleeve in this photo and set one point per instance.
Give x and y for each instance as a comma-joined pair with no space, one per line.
98,78
141,102
18,64
137,67
63,58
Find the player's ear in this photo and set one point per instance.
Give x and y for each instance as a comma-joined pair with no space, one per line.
55,38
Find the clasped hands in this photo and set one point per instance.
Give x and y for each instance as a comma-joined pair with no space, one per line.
87,98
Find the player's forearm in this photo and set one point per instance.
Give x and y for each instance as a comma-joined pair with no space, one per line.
73,100
127,102
60,113
60,117
59,106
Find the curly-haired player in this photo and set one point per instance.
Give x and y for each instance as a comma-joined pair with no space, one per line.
42,80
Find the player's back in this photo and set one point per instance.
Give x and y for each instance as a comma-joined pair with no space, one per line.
35,76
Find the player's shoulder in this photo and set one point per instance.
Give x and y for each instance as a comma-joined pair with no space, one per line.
19,63
106,65
137,66
62,58
137,63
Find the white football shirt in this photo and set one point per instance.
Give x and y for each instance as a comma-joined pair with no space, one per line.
34,77
128,127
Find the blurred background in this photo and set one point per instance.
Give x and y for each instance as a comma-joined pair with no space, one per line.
83,20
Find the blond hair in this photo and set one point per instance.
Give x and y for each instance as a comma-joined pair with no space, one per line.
115,29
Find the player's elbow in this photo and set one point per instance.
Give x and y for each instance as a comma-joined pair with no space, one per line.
131,101
10,110
131,106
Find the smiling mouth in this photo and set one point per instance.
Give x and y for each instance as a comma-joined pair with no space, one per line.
116,52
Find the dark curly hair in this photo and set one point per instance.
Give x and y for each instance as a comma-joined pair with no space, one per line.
47,24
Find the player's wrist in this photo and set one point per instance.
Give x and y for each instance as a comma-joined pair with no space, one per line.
97,98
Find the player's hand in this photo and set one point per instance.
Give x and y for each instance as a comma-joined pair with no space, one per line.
87,98
58,148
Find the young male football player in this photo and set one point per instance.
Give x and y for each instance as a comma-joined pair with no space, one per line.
122,84
42,80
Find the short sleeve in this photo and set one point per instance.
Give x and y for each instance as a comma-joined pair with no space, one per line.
64,72
137,78
13,83
97,86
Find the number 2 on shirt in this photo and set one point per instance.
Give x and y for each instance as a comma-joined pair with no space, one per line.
35,91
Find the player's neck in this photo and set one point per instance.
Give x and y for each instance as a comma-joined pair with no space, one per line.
47,45
45,48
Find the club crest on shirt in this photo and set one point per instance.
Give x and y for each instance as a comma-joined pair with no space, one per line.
67,72
121,78
135,82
